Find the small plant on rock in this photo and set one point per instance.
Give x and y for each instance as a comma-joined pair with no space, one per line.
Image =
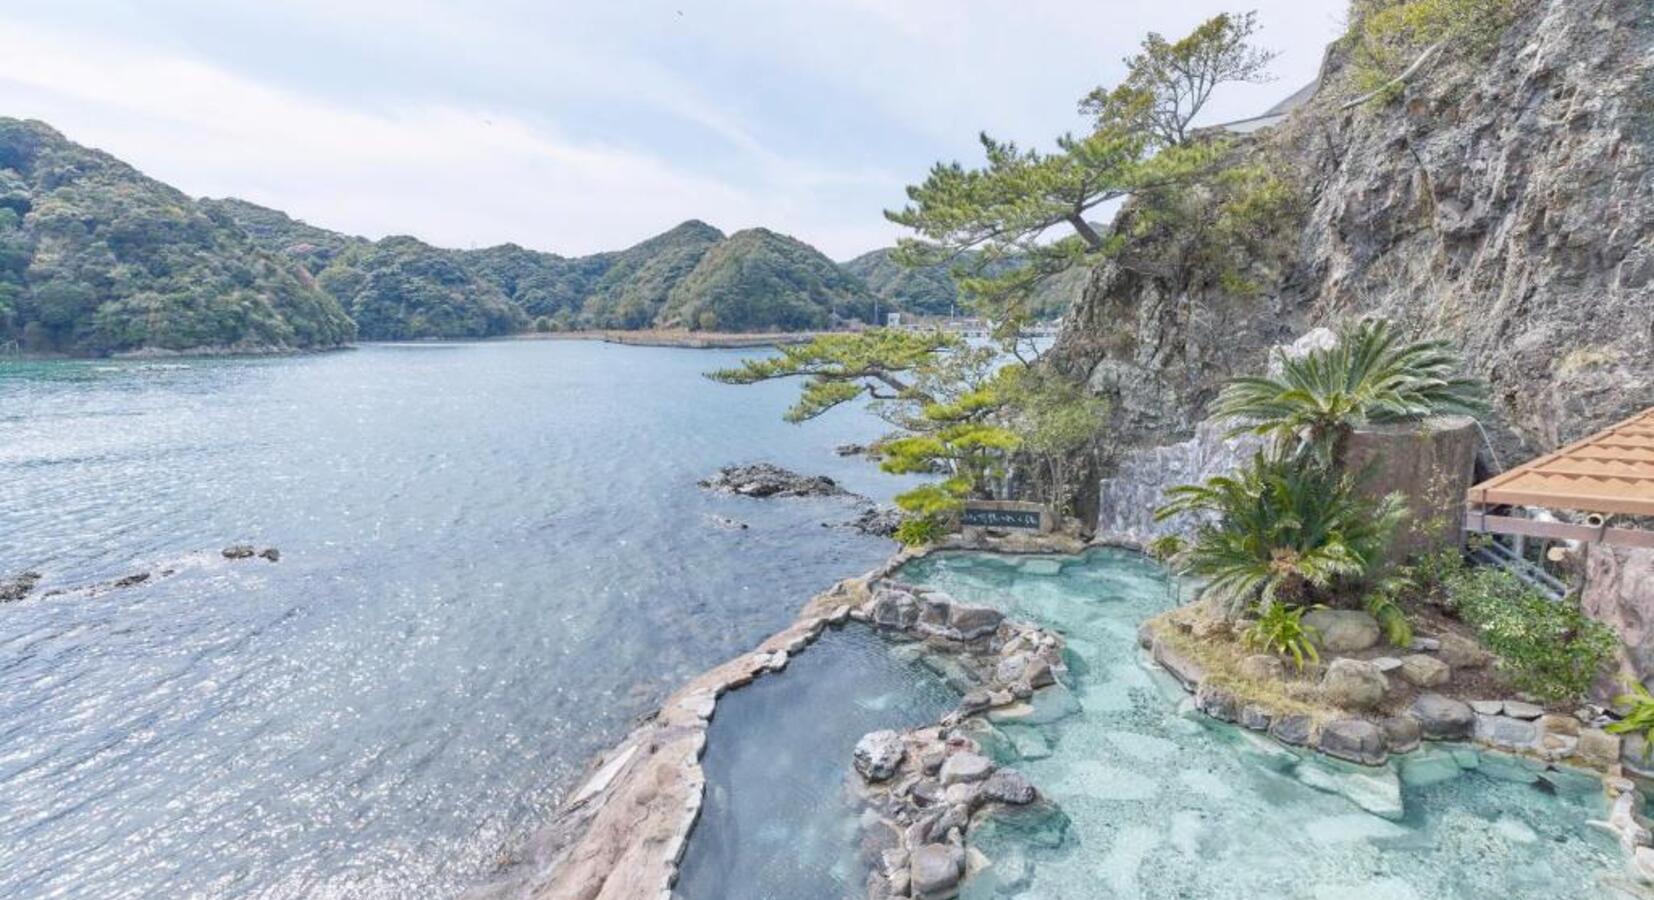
917,531
1640,720
1382,605
1280,630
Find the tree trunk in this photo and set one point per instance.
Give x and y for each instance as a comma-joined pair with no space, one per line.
1086,232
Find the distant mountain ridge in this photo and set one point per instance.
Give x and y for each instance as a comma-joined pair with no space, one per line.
96,258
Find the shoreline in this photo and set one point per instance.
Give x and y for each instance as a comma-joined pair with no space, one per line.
693,340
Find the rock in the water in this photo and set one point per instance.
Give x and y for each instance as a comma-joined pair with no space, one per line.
934,870
1377,791
19,587
238,551
878,754
964,767
1217,702
879,521
1425,671
1255,717
1506,732
1009,786
767,480
1354,684
274,555
1356,740
1442,718
726,523
1342,630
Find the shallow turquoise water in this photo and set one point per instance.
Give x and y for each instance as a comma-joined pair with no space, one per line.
494,557
1165,805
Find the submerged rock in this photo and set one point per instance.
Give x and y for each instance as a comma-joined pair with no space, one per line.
768,480
238,551
879,521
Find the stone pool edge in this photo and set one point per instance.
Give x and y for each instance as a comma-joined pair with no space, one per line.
622,832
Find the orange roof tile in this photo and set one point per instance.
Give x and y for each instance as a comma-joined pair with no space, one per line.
1609,472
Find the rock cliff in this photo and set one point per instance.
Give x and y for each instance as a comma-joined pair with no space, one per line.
1504,202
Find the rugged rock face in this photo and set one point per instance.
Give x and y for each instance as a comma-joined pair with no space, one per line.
1506,203
767,480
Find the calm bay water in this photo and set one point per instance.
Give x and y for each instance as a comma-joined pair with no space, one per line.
494,556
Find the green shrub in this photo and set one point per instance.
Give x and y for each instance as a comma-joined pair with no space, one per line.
917,531
1381,604
1280,630
1548,647
1284,532
1640,720
1388,35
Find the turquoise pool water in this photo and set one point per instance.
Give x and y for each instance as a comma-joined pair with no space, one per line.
1163,804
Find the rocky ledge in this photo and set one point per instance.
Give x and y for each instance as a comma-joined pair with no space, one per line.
925,789
769,480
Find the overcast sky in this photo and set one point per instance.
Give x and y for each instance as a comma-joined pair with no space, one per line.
582,127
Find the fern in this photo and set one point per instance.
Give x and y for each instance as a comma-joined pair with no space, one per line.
1281,630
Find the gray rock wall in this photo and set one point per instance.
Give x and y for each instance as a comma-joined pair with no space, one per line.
1619,592
1129,498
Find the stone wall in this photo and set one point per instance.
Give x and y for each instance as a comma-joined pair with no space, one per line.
1129,497
1619,592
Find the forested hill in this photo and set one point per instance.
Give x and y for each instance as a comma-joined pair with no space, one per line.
96,258
931,290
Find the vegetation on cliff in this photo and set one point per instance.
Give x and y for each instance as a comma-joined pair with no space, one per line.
401,288
96,258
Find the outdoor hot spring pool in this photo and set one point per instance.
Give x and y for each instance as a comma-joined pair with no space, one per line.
1160,804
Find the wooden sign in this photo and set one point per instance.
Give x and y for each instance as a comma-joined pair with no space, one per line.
1022,516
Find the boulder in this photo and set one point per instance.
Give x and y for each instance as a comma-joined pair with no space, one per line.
238,551
1009,786
1185,668
18,587
962,767
1425,671
1599,746
894,609
1343,630
1219,703
1401,734
1506,732
934,871
1519,709
1354,684
1255,717
1355,740
1262,667
973,622
879,754
1442,718
1291,729
1462,653
1387,664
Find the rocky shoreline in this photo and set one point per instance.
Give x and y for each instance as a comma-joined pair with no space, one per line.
622,832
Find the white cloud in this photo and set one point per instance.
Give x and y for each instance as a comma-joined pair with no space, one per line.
577,127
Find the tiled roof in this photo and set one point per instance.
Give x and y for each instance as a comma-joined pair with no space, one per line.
1609,472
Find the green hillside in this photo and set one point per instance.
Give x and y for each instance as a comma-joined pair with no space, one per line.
757,280
401,288
96,258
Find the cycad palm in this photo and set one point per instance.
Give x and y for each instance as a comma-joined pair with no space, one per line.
1279,531
1370,376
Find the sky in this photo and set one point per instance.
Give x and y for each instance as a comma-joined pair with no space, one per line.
580,127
